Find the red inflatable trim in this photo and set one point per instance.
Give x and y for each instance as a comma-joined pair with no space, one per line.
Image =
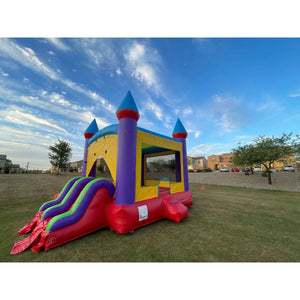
88,135
32,224
179,135
127,113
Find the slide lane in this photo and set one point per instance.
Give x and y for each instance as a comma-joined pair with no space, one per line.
61,196
68,200
81,204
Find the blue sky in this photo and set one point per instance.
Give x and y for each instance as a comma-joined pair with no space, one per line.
226,91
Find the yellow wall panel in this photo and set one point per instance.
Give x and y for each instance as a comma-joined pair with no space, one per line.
106,147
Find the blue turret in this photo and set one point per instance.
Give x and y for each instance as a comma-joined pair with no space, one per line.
90,131
180,133
179,130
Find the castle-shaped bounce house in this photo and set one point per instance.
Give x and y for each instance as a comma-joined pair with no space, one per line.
130,200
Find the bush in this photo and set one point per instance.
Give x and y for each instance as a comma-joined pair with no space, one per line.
6,168
100,169
264,174
247,173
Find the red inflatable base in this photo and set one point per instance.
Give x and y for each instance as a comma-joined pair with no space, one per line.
126,218
93,219
103,212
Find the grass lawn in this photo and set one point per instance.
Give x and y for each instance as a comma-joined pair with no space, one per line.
225,224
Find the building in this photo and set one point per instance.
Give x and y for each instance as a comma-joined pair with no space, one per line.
14,168
216,162
2,161
102,164
278,165
77,166
199,162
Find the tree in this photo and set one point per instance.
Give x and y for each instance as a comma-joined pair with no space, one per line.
7,168
60,154
171,164
266,150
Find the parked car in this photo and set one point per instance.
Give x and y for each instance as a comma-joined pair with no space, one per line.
257,169
207,170
190,170
235,170
197,170
246,169
288,168
224,169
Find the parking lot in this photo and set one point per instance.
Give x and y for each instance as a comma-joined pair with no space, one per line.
285,181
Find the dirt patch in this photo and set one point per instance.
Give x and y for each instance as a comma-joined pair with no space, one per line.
285,181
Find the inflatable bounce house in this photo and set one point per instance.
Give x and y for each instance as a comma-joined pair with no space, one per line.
130,200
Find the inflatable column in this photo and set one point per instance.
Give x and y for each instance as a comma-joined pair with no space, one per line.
90,131
180,134
128,116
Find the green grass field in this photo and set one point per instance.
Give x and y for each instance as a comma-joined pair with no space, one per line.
225,224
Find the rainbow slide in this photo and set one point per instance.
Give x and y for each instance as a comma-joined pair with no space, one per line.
79,209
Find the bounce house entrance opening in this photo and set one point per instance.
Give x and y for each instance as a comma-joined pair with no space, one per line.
160,166
102,169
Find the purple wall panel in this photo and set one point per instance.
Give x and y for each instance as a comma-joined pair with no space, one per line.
85,157
185,168
125,179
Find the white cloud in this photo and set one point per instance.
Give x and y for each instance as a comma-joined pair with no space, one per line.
59,44
18,134
105,103
118,71
26,119
199,42
270,106
3,73
197,134
228,113
54,103
142,64
145,74
244,137
293,95
155,109
136,52
28,58
192,129
22,152
187,111
207,150
58,99
100,53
